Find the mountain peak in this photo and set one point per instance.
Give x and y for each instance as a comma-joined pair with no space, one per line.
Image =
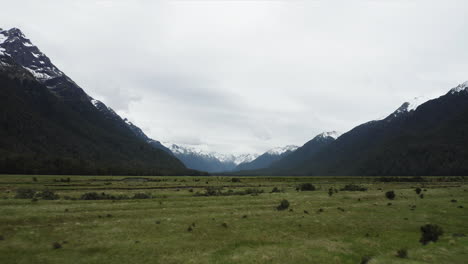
281,150
459,88
332,134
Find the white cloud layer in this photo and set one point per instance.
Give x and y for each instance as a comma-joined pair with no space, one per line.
246,76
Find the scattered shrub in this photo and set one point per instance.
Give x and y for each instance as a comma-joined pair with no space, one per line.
453,201
224,225
418,190
25,194
189,229
48,195
275,190
365,259
421,196
34,179
213,190
306,187
430,233
142,196
353,188
390,195
402,253
306,212
56,245
284,204
235,180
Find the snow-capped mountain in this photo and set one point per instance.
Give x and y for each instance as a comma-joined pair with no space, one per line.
61,125
201,159
281,150
267,158
463,87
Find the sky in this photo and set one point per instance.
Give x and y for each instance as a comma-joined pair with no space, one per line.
244,76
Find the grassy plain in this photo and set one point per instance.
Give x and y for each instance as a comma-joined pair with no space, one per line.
180,225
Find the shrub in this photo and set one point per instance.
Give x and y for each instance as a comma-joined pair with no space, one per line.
48,195
253,191
224,225
390,195
213,190
283,205
142,196
275,190
330,192
430,233
34,179
353,188
402,253
25,194
99,196
421,196
306,187
418,190
365,259
235,180
56,245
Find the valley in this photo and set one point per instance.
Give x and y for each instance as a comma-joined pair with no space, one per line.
230,220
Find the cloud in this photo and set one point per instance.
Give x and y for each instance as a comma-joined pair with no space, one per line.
246,76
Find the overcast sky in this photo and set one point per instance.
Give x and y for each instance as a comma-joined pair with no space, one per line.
244,76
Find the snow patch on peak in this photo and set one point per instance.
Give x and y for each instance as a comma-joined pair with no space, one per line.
281,150
333,134
416,102
203,151
459,88
127,122
95,102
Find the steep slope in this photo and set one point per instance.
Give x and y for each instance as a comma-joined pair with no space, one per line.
50,125
267,158
429,139
208,161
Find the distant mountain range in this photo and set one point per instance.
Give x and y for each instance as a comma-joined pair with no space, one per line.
208,161
419,138
49,125
267,158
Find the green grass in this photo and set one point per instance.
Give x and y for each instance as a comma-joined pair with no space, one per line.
156,230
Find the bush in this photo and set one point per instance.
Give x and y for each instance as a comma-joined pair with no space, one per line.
235,180
275,190
283,205
25,194
402,253
142,196
97,196
353,188
365,259
430,233
418,190
56,245
306,187
213,191
390,195
48,195
330,192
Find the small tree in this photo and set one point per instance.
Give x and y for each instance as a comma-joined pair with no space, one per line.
390,195
430,233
